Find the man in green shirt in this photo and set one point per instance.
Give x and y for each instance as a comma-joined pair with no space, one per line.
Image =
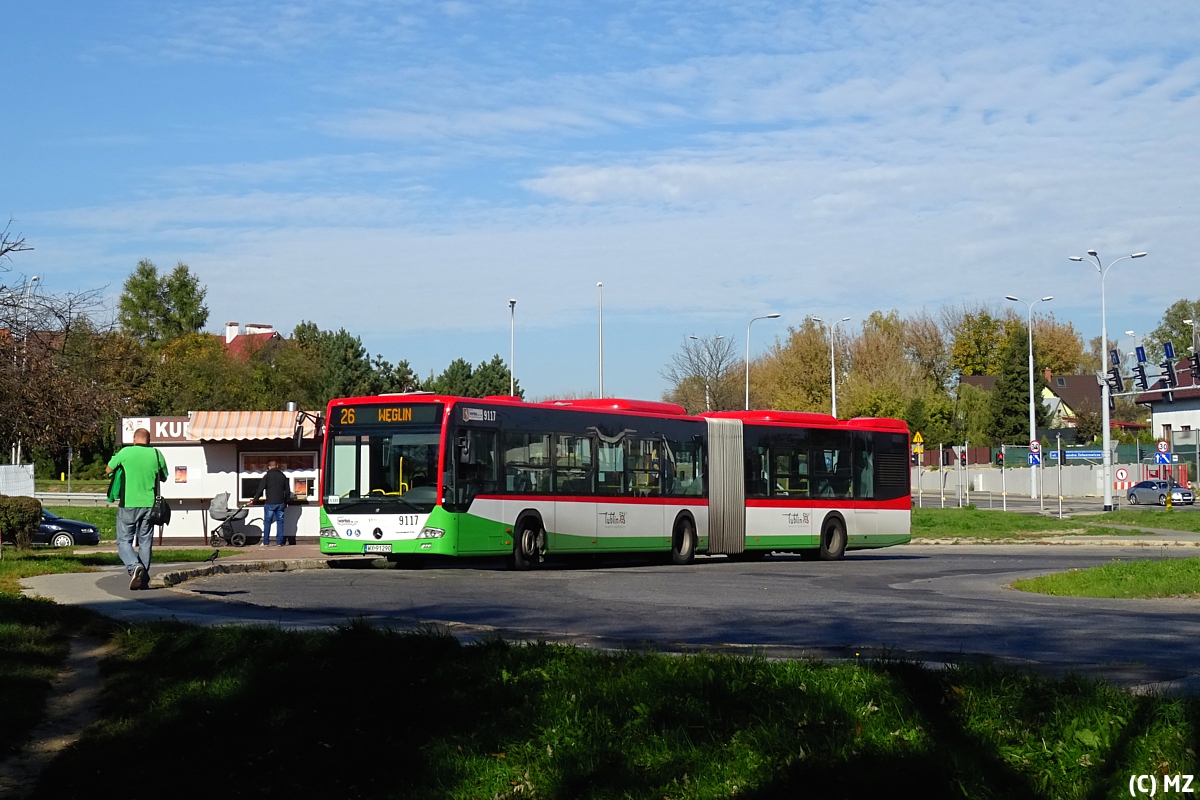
141,467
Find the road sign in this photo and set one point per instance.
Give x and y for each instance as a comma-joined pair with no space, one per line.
1169,350
1115,355
918,438
1141,354
918,448
1163,446
1035,446
1162,458
1079,455
1122,474
1035,459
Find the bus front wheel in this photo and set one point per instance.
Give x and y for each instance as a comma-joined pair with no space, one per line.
683,542
833,540
529,543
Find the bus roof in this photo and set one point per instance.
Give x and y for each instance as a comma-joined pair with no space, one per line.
810,419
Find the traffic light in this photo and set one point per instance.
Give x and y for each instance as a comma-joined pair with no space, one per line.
1168,368
1115,382
1140,377
1195,359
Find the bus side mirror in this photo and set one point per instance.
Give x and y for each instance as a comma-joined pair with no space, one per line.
465,448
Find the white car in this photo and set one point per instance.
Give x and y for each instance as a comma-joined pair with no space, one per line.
1156,492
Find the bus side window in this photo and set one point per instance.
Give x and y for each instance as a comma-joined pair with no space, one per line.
610,468
573,464
526,462
758,470
644,465
684,469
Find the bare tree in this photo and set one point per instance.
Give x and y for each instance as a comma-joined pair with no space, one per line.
703,374
11,243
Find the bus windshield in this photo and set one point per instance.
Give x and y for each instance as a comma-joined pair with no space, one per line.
395,469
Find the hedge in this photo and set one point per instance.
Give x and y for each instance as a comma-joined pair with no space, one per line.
19,519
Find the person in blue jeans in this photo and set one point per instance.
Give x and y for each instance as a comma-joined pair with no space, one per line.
139,469
274,489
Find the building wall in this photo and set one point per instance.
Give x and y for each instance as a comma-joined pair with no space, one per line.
212,468
1180,414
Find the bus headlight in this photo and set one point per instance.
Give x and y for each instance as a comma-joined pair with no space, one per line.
431,533
330,533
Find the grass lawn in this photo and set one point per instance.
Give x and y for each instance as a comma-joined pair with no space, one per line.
370,714
1172,577
1173,520
103,517
945,523
77,485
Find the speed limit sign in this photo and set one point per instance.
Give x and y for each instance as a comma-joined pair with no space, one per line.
1035,446
1164,446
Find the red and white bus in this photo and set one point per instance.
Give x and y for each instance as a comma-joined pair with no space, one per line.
421,475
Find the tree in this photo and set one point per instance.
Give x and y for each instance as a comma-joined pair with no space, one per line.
880,381
794,375
11,243
491,378
978,337
1010,401
974,413
926,346
1173,329
703,375
159,308
1058,345
461,380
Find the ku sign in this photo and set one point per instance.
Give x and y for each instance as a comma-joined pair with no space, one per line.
162,429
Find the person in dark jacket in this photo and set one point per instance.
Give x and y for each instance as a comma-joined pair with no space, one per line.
274,486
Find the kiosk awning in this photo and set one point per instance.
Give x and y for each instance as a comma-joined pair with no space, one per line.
216,426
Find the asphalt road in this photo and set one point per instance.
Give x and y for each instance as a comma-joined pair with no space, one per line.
934,604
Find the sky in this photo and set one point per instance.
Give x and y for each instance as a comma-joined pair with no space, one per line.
403,169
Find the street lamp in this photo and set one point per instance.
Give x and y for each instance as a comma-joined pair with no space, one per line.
1104,388
1194,348
832,363
772,315
512,347
600,287
1033,487
707,366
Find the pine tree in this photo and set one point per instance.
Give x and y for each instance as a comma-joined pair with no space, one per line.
1010,401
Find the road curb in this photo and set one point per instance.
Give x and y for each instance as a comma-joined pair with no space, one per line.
178,576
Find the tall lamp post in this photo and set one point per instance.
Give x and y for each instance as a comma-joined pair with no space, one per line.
24,344
1033,487
1195,349
600,287
512,348
832,328
1104,388
772,315
708,363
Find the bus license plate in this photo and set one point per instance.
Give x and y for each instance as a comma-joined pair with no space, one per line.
377,548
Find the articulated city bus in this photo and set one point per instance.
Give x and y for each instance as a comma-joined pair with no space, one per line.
416,475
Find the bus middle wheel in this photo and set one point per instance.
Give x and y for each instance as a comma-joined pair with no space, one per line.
833,540
683,542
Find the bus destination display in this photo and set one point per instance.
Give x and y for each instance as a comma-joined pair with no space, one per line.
352,416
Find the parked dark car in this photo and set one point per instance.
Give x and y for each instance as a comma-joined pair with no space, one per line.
57,531
1156,492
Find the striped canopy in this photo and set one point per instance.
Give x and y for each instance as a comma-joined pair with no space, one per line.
217,426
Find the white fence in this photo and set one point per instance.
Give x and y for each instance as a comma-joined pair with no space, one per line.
16,480
1084,480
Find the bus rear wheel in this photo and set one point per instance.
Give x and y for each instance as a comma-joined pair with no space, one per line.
833,540
683,542
529,543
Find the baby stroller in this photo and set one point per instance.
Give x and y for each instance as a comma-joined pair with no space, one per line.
219,510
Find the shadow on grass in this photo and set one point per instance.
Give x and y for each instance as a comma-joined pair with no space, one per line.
260,712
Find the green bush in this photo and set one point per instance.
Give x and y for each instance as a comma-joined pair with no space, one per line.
19,520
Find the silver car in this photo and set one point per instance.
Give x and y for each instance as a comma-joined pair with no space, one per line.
1156,492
